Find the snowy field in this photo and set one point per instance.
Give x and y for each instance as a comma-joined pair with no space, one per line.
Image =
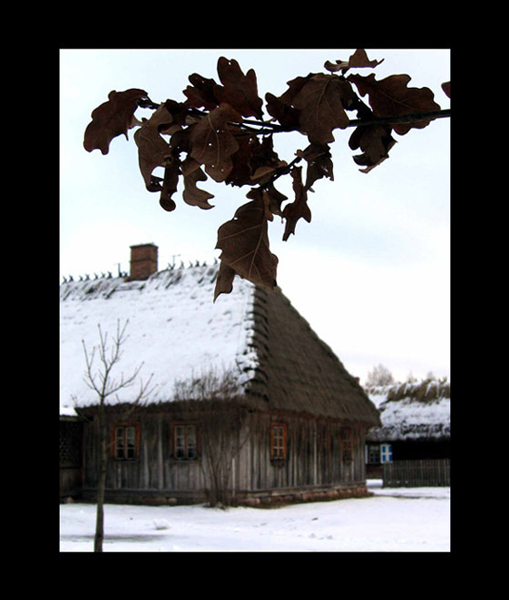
393,520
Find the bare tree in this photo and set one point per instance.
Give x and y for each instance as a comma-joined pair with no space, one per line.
220,429
380,375
103,382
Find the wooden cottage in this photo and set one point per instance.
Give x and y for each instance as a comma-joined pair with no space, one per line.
414,441
250,405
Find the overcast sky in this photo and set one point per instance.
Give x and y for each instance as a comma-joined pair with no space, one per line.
371,272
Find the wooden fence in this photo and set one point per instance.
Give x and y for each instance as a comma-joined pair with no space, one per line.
415,473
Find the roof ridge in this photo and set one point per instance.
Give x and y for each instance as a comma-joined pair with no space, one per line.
86,277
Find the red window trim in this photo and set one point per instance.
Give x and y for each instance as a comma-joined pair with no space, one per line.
277,452
173,436
113,436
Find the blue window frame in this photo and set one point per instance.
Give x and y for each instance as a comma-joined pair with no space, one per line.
385,453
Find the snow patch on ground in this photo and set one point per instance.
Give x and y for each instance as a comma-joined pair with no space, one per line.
393,520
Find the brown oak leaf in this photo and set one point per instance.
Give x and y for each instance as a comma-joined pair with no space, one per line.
153,151
241,172
224,281
299,207
171,175
192,194
161,119
321,103
359,59
282,108
112,118
256,194
254,161
391,97
238,90
447,88
375,141
294,87
212,142
319,162
244,243
285,113
265,159
201,92
178,110
275,199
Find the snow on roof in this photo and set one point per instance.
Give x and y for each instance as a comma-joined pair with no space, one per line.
406,416
170,314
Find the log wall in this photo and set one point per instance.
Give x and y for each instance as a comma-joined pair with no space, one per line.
314,460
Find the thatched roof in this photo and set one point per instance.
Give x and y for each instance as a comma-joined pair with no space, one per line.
178,332
298,371
412,411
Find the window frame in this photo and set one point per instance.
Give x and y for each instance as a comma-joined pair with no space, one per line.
190,452
385,453
373,454
278,441
134,428
346,435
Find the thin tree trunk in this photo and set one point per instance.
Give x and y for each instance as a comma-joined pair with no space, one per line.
104,385
101,484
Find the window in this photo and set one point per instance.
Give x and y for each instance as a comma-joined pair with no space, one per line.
184,442
346,444
385,453
373,453
278,441
126,441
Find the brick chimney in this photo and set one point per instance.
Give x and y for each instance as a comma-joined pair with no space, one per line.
143,261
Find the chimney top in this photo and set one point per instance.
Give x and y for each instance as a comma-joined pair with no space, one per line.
143,261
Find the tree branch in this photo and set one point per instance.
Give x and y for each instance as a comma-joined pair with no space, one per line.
247,124
102,382
410,118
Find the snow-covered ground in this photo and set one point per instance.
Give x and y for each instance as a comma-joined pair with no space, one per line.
393,520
